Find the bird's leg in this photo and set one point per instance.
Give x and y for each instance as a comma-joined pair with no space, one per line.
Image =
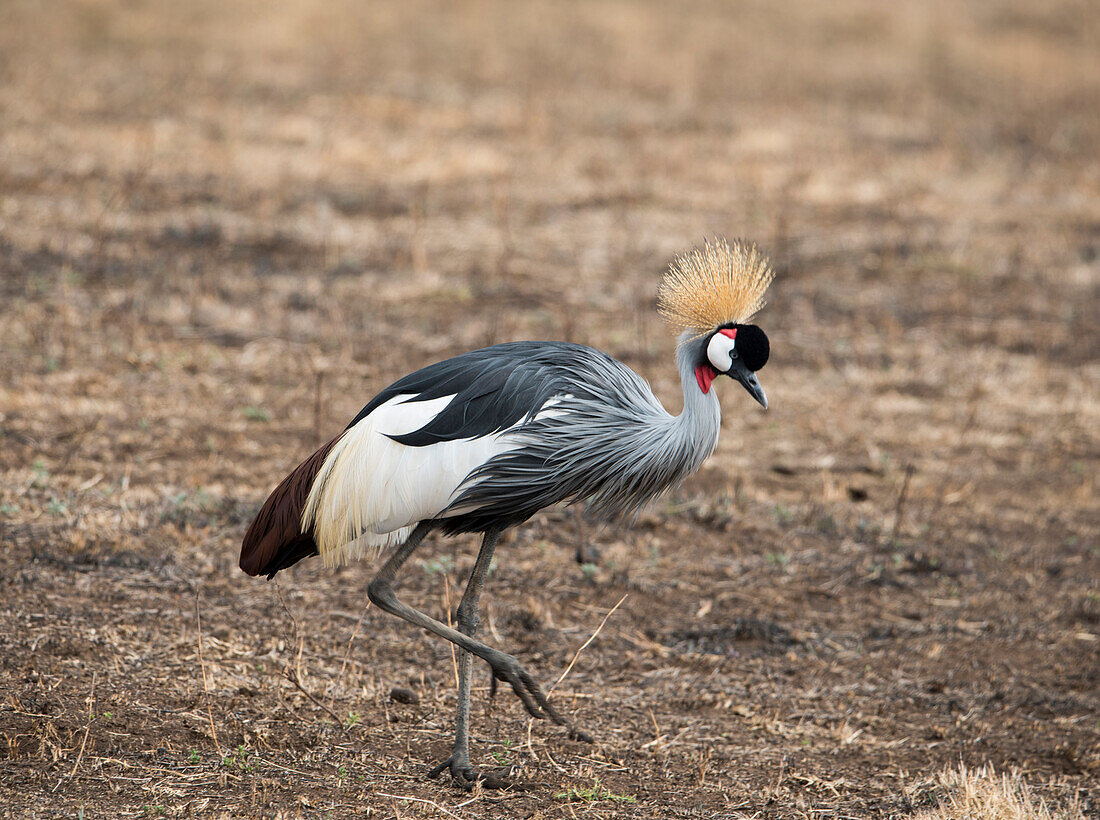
505,667
467,622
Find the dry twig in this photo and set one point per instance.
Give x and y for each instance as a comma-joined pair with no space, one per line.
347,653
87,729
900,507
205,685
447,607
291,671
431,803
591,638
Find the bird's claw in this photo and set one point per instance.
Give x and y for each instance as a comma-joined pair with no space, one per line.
466,777
508,669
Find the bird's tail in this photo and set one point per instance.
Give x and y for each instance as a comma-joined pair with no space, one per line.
275,539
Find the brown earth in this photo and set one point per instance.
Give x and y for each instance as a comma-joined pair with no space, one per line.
223,227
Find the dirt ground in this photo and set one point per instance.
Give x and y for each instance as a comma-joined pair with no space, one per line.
224,227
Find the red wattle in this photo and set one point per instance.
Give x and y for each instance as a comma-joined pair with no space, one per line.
704,374
729,331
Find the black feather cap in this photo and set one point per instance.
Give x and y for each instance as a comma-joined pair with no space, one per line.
752,345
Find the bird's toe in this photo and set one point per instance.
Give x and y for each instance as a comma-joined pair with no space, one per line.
508,669
490,778
465,776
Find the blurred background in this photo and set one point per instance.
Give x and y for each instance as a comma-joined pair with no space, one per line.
225,226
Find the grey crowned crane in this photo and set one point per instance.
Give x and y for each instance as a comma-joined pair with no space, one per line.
484,440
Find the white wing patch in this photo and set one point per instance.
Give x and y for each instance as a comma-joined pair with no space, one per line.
371,490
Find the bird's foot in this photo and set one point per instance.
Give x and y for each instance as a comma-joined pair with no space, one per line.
532,696
466,776
507,668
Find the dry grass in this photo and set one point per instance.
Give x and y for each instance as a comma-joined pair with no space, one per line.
981,792
223,227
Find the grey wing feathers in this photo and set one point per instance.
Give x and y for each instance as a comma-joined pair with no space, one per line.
493,388
607,440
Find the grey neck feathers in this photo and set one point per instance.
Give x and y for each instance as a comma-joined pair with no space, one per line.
701,419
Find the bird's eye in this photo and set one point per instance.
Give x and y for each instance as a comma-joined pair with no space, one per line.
733,354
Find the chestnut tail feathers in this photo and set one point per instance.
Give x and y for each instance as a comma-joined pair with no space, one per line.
275,539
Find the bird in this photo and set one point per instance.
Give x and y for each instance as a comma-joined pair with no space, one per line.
480,442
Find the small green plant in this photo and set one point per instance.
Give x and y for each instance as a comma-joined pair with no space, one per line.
440,565
193,757
779,559
254,413
239,760
504,756
56,508
782,514
594,794
589,570
41,474
342,773
8,510
353,719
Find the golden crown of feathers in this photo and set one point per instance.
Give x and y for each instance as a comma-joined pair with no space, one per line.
719,283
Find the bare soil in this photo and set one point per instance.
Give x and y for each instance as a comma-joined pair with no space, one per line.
223,227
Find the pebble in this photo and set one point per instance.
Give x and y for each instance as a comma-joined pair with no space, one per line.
403,695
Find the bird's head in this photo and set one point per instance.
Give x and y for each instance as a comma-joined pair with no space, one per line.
712,293
737,351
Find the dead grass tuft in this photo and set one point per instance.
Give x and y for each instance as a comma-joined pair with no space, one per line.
983,793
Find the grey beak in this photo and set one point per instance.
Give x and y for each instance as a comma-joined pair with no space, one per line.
749,382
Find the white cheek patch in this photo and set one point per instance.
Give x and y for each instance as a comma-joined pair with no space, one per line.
719,352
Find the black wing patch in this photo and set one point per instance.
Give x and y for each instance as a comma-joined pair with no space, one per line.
493,389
